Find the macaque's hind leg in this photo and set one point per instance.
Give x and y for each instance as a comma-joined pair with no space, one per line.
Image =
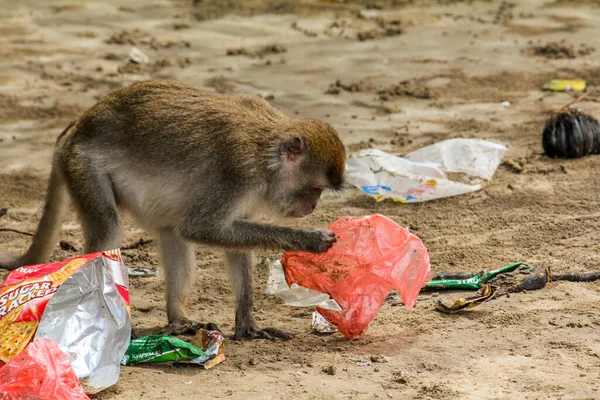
179,262
240,270
93,197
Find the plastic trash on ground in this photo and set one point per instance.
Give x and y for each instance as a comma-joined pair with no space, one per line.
81,303
136,56
476,281
444,169
564,85
321,325
206,350
298,296
372,256
141,271
41,372
484,294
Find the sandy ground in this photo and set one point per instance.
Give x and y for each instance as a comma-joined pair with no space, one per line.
410,73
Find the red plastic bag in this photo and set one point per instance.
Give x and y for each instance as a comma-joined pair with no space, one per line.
40,372
372,256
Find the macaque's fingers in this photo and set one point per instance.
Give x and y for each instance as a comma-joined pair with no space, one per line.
317,241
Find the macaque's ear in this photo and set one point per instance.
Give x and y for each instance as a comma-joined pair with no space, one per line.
292,149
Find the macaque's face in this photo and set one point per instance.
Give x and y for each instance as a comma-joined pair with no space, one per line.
305,202
296,196
300,178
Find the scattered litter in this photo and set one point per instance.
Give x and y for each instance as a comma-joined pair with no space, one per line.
206,350
42,371
444,169
570,133
512,278
141,271
363,362
293,295
372,256
136,56
367,14
468,280
60,301
565,85
505,104
453,306
321,325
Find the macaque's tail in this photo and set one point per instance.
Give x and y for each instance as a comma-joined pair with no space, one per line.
48,230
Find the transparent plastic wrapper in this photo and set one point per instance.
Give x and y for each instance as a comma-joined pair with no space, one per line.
81,303
321,325
41,372
372,256
298,296
444,169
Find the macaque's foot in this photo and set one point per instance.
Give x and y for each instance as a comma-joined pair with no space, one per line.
256,333
8,261
185,325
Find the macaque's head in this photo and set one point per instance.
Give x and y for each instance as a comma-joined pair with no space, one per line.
308,159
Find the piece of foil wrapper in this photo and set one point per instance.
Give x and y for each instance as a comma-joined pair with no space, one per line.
90,321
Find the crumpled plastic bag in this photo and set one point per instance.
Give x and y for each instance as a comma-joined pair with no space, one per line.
444,169
41,372
372,256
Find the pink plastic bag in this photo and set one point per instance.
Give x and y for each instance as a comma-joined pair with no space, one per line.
41,372
372,256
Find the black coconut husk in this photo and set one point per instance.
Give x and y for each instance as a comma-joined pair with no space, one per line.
571,133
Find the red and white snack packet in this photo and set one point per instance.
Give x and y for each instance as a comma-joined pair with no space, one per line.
81,303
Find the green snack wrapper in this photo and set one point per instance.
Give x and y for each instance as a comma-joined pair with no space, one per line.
472,283
160,348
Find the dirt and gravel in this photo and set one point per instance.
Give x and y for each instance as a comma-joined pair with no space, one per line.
388,74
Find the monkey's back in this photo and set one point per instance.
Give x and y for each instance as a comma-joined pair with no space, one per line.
166,119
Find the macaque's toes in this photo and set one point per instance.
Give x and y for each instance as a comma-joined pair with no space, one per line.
257,333
277,333
186,326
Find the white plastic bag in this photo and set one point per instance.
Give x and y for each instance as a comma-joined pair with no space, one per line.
444,169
